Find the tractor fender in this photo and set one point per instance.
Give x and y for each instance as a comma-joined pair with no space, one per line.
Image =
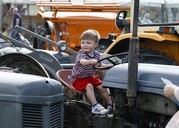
23,64
149,78
49,62
153,36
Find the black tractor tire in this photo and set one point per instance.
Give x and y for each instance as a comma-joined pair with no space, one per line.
21,63
38,44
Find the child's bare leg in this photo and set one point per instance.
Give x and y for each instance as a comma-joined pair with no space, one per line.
105,93
90,94
96,107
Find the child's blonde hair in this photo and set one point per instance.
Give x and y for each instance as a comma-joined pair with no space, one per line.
90,34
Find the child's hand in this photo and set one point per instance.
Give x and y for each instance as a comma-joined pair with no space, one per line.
93,62
169,90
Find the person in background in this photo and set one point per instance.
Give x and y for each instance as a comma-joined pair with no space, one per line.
172,91
17,20
146,19
83,74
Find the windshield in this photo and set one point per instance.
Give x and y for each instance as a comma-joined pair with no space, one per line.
158,11
151,11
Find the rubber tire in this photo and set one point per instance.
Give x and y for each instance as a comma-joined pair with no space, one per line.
38,44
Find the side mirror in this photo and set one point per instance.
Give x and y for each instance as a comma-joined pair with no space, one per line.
122,15
121,21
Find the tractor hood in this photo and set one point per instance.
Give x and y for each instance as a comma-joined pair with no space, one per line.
149,77
17,87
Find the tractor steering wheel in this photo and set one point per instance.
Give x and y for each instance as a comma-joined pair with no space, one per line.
110,61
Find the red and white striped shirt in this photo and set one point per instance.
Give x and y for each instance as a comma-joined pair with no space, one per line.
83,71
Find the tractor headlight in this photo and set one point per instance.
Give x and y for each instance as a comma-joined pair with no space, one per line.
62,45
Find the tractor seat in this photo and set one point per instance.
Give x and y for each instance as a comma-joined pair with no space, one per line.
64,77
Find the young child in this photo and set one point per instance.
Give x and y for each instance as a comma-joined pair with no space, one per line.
83,73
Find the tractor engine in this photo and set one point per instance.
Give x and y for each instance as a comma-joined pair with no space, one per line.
30,101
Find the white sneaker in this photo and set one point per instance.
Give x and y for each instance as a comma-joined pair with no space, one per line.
99,109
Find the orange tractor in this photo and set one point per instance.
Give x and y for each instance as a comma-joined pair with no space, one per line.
67,20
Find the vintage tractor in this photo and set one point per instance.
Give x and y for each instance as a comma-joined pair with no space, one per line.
30,100
135,84
67,20
158,41
22,56
28,91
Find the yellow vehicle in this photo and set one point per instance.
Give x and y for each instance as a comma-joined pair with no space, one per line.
159,39
67,20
